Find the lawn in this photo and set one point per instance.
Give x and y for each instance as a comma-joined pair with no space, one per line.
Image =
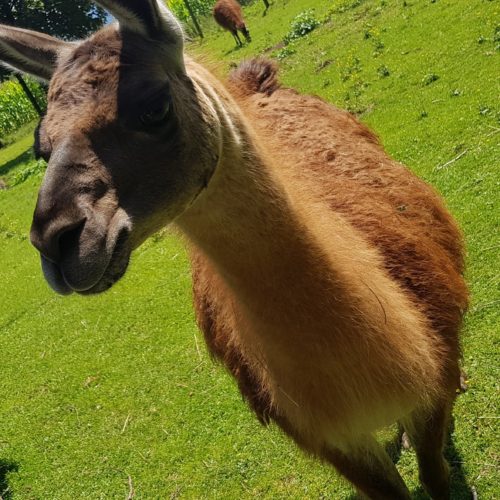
115,397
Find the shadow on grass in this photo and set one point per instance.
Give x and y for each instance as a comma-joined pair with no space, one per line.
6,466
234,49
12,164
459,489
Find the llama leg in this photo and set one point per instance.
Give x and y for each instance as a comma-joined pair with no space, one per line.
370,470
427,431
237,38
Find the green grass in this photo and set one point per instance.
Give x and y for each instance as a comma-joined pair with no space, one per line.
22,133
15,146
95,391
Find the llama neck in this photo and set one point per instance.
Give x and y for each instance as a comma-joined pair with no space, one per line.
244,221
252,228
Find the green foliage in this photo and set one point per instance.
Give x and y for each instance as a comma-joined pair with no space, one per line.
286,51
15,107
35,168
429,78
347,5
199,8
69,20
350,67
301,25
65,19
374,36
383,71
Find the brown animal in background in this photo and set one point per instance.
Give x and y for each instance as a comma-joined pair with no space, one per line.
327,277
228,14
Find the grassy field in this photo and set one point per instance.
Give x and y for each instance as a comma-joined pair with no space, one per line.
114,396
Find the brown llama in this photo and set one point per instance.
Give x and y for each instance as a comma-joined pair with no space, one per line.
327,277
228,15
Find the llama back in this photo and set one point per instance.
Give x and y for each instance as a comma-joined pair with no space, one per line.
330,153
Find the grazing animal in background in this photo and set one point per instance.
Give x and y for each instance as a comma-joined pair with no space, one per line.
229,15
327,277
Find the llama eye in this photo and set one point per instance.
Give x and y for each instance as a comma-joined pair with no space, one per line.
155,115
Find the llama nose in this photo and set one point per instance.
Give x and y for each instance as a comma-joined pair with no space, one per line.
51,238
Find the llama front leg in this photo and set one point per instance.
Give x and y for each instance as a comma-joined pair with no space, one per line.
369,468
237,38
427,431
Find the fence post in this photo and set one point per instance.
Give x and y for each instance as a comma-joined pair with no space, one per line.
193,17
29,94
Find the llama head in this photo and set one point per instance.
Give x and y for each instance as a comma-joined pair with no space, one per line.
128,140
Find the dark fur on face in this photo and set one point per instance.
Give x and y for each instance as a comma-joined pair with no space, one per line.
124,115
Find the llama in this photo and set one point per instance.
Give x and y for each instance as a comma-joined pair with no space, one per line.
228,14
327,278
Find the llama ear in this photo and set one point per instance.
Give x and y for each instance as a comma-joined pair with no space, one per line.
150,18
30,51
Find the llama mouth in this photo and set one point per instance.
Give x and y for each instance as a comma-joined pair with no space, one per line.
115,269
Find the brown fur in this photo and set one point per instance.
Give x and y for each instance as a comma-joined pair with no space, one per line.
327,152
228,14
327,277
342,163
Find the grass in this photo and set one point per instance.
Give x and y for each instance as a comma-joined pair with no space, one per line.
16,137
16,145
98,394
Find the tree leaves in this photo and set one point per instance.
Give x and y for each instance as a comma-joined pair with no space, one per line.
67,20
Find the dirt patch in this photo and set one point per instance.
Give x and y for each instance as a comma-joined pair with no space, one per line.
2,184
278,46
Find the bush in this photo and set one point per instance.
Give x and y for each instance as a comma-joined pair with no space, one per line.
15,108
286,51
301,25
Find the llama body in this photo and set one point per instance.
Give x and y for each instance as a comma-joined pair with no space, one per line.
276,310
229,16
327,277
